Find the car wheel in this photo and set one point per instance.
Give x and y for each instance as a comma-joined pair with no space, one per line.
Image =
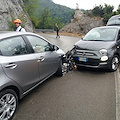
60,70
79,68
8,104
114,63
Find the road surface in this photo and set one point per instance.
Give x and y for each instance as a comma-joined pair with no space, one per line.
79,95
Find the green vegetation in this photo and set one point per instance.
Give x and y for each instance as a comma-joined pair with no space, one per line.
32,6
45,14
61,12
118,10
47,22
104,12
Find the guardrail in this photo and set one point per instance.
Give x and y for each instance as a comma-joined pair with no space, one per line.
44,30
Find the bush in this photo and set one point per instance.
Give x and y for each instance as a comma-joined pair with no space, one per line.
11,26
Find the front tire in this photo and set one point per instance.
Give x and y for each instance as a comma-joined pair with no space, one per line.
8,104
114,63
59,72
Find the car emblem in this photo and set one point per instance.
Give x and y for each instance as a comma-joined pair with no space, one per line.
83,54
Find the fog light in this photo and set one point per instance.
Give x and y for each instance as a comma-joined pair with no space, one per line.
104,58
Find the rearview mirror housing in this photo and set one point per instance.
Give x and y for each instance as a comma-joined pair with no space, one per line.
82,38
54,47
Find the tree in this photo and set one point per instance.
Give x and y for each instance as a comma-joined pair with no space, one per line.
108,9
45,20
107,17
57,21
118,10
105,11
108,12
98,11
32,6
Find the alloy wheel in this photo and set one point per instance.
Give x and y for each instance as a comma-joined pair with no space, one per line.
8,104
115,62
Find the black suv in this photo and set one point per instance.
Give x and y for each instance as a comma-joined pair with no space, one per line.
100,48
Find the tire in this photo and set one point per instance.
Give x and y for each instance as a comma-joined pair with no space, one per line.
114,63
8,104
59,72
79,68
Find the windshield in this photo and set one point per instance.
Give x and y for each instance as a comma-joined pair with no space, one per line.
101,34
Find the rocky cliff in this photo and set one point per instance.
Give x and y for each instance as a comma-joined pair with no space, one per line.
82,23
10,10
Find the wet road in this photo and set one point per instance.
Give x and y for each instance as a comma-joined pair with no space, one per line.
80,95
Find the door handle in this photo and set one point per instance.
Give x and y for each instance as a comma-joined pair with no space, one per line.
41,58
11,66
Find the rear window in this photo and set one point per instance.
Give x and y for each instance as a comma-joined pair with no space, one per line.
13,46
114,22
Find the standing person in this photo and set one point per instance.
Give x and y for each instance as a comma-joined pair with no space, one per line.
18,23
57,32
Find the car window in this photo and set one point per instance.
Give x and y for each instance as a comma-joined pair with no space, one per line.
101,34
38,44
114,22
13,46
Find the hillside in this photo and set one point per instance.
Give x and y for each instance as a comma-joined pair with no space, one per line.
82,23
62,12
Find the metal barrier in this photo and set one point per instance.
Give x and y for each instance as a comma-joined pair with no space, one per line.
44,30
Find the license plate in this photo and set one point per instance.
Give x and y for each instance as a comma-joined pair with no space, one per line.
82,59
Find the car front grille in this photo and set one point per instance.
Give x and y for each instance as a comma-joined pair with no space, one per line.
84,53
92,57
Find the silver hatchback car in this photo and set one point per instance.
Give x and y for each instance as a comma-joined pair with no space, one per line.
26,60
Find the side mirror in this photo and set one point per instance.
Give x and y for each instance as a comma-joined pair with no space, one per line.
54,47
82,38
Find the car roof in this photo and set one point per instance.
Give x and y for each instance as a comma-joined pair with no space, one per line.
6,34
115,17
114,27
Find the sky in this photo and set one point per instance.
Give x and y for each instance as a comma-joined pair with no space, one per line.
87,4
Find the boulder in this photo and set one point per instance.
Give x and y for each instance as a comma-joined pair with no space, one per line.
82,23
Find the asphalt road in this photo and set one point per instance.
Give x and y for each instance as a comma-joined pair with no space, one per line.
79,95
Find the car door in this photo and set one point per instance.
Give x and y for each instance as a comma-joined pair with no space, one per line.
48,60
17,62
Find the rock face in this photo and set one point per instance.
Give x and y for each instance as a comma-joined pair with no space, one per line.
82,23
9,11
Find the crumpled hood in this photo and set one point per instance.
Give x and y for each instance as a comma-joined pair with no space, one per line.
94,45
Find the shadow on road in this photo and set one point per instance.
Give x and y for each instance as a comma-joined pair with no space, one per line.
93,70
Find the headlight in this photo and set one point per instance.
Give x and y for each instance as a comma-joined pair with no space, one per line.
104,58
103,52
73,51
